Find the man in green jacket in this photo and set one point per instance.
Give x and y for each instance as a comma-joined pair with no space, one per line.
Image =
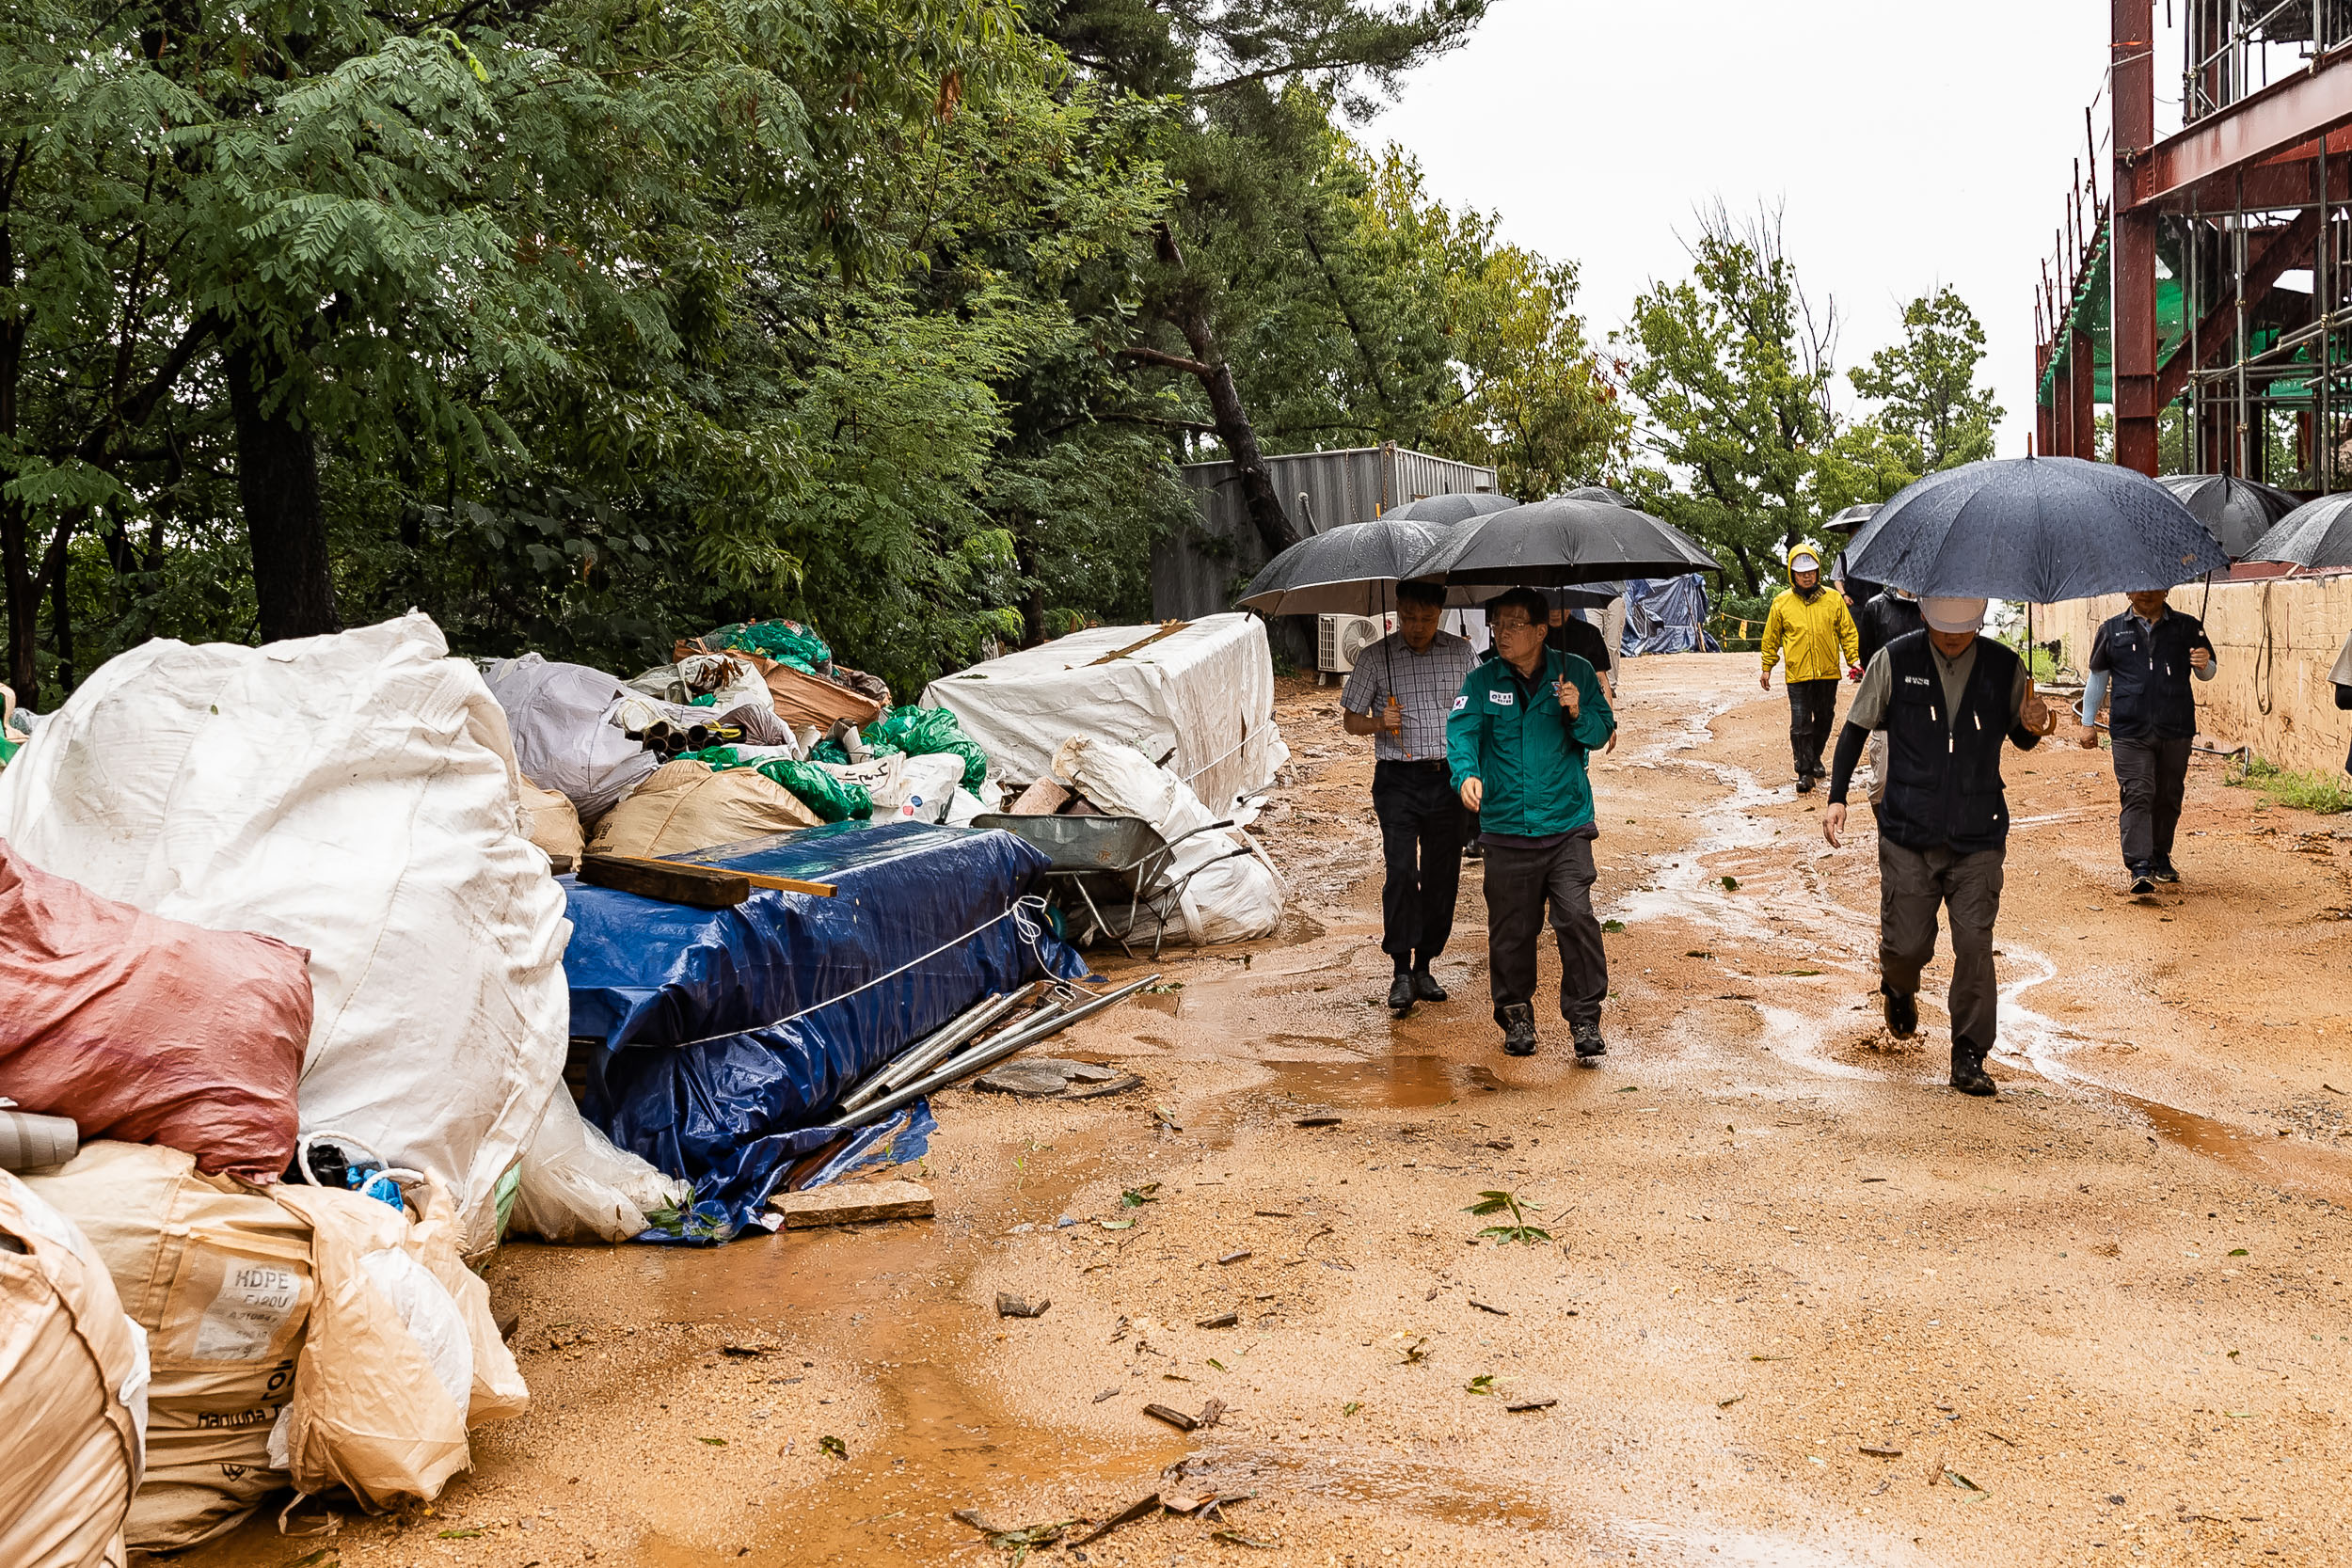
1516,744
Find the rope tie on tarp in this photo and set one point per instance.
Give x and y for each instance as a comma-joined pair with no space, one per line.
1023,912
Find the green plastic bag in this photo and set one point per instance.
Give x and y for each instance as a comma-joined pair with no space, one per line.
831,799
785,641
921,731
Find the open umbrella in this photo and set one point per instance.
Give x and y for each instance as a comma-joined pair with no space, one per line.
2240,511
2038,529
1555,542
1595,493
1853,517
1584,595
1449,509
1350,570
2317,533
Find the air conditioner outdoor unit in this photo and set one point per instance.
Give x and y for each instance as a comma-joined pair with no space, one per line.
1339,639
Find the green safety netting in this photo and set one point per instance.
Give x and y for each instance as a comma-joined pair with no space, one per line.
919,732
785,641
831,799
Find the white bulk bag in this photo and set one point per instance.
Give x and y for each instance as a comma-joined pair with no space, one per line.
563,717
1232,897
355,796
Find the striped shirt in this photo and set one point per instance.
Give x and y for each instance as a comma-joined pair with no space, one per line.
1425,686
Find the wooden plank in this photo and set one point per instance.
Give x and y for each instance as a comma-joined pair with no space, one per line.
853,1204
701,887
1167,628
750,879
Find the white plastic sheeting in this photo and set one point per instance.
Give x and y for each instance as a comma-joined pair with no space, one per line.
1235,894
354,795
579,1187
1204,693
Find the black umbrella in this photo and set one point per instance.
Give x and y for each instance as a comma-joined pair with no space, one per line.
2317,533
1552,544
1449,509
2039,528
1595,493
1584,595
1350,570
2240,511
1853,517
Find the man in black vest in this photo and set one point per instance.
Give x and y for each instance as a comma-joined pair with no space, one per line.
1885,616
2142,662
1946,698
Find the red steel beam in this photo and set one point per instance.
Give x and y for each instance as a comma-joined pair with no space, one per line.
2217,335
2256,126
2282,181
2132,89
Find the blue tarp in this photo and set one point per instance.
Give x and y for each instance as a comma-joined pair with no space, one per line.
729,1032
1666,615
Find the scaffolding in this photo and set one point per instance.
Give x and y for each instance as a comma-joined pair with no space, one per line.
2205,286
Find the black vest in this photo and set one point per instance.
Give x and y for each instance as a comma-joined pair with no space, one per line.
2147,675
1943,778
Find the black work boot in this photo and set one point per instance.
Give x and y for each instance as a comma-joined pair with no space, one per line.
1425,987
1401,991
1590,1047
1518,1028
1804,784
1968,1074
1902,1012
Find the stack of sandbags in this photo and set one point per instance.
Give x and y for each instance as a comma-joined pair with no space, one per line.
354,795
299,1335
75,1371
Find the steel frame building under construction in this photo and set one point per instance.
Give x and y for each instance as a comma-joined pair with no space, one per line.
2205,285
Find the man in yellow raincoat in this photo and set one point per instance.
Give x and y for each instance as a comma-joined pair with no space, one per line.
1811,627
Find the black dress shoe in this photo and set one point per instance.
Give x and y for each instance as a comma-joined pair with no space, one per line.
1401,991
1902,1013
1425,987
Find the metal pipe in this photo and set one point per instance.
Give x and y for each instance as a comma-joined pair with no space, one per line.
936,1050
932,1047
987,1055
1046,1014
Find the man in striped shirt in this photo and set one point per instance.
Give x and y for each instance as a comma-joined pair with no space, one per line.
1399,692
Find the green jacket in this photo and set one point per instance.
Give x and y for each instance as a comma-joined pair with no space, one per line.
1526,752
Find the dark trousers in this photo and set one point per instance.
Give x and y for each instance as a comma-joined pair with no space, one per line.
1812,708
2151,775
1421,839
1521,883
1915,885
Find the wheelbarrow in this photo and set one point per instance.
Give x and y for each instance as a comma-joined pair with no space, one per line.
1115,856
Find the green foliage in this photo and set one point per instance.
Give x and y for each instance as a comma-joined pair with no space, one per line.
2320,793
1931,409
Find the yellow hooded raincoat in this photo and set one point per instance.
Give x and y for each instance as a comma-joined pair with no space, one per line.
1811,633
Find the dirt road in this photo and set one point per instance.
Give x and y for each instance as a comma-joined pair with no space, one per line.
1788,1300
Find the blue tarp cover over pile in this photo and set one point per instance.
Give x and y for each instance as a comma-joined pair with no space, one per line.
729,1032
1666,615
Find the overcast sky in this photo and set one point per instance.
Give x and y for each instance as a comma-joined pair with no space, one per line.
1909,145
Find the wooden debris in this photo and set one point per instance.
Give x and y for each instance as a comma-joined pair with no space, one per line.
1176,1418
1878,1450
1234,1257
1010,1305
1041,799
1520,1407
1223,1320
1212,1411
1316,1122
1142,1507
853,1204
699,887
1490,1307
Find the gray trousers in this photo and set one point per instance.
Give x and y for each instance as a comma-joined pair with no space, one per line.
1521,884
1913,885
2151,776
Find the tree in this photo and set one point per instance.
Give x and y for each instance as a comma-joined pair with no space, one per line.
1931,405
1732,368
1252,83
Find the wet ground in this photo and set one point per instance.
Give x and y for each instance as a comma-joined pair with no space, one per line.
1781,1297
